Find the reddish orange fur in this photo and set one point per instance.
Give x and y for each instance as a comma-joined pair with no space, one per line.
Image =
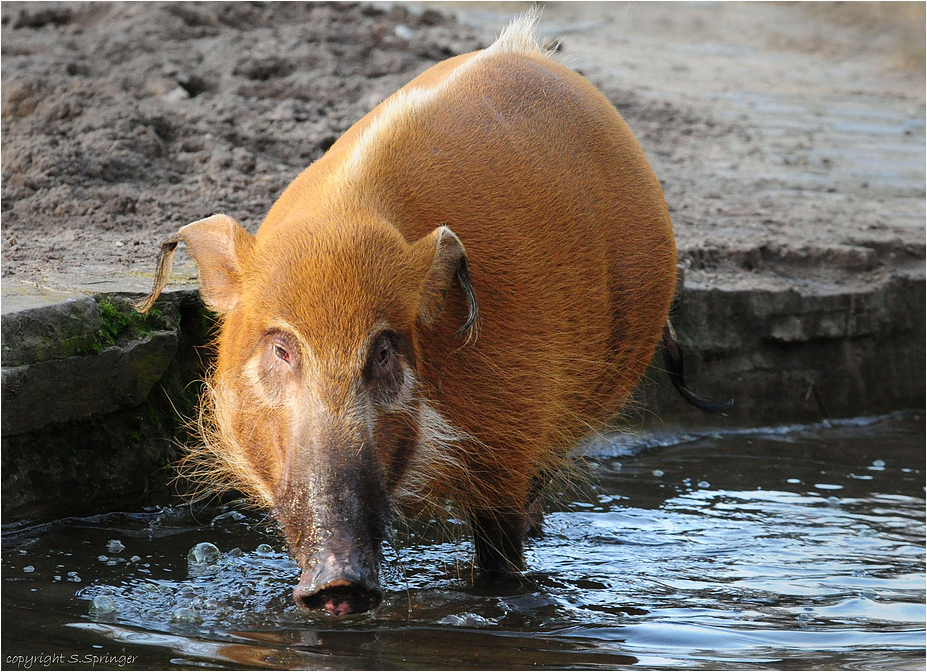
573,263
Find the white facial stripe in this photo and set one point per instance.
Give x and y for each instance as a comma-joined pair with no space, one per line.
517,38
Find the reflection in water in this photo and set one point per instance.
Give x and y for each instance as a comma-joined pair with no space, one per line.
766,548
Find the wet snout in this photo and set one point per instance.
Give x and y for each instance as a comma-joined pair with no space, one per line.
332,513
338,584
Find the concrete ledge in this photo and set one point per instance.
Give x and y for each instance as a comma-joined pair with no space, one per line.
786,355
38,325
95,397
62,390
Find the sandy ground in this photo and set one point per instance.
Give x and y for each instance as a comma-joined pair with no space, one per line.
122,122
789,138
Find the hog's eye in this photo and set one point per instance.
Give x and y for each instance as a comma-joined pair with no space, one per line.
384,368
280,347
382,355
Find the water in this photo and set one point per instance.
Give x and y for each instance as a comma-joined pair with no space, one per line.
789,548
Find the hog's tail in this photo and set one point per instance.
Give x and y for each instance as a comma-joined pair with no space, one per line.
672,356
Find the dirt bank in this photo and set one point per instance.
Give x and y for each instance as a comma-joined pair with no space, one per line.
789,139
123,121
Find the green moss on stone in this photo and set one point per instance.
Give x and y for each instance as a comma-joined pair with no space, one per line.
115,322
120,322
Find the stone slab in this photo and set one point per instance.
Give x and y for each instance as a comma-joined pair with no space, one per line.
62,390
39,325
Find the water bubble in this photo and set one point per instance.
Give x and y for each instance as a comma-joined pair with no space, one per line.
235,553
110,562
115,546
264,549
657,472
203,554
231,516
793,480
704,484
451,619
878,463
28,569
467,619
57,578
103,604
134,558
102,558
833,501
185,615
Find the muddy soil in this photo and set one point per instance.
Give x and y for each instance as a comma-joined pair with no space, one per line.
122,122
789,139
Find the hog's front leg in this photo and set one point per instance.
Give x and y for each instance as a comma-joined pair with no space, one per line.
498,539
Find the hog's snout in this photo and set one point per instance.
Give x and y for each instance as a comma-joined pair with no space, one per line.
332,514
339,587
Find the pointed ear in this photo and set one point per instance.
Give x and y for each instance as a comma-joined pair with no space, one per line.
444,257
218,245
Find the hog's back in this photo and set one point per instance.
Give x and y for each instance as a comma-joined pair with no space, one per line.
569,242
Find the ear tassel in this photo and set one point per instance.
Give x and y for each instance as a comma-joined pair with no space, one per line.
471,327
162,274
217,244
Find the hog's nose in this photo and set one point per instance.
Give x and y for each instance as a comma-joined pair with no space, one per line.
337,587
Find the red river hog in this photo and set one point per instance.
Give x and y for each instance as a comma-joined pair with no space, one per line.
472,279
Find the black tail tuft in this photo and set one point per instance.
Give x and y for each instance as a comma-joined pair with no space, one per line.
672,357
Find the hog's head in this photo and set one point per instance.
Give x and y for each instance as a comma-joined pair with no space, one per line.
312,405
